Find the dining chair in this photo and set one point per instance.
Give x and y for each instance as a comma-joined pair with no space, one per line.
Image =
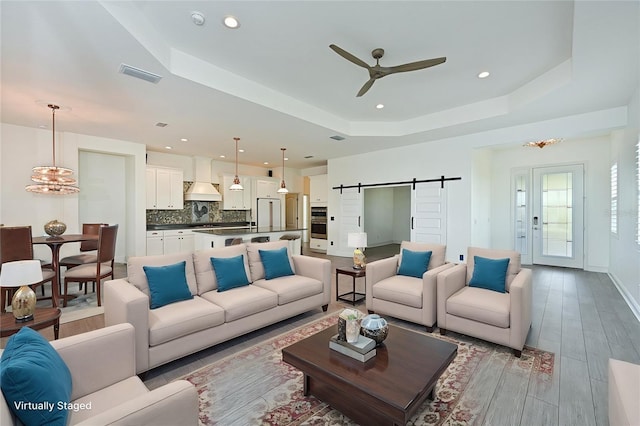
103,267
85,246
15,244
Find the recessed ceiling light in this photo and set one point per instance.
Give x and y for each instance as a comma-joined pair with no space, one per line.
286,158
380,106
222,156
231,22
168,147
241,150
483,74
184,139
265,163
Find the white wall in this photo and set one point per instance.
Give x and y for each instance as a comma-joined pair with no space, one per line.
594,154
624,263
103,196
481,200
24,147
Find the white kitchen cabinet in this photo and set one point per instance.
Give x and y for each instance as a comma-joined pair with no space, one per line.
179,241
236,200
150,179
164,188
267,188
170,242
317,244
155,243
318,189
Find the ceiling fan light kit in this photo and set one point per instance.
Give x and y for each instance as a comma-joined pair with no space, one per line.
377,71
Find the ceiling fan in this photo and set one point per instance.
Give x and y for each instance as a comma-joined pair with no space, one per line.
376,71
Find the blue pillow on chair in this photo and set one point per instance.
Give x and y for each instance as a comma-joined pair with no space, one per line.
276,263
414,263
32,372
490,274
229,272
167,284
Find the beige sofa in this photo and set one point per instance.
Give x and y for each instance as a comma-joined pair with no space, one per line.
103,373
624,393
408,298
502,318
211,317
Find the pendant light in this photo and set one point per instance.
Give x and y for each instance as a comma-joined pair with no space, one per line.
283,186
236,181
53,179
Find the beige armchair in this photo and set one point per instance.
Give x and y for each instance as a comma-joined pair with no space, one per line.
103,373
502,318
408,298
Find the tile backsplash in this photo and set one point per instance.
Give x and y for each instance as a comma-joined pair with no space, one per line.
198,212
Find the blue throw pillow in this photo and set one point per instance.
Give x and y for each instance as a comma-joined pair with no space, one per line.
276,263
414,263
230,272
490,274
35,381
167,284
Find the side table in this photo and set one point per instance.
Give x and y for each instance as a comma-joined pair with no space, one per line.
42,318
352,296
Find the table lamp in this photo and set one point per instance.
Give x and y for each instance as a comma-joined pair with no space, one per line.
22,273
358,240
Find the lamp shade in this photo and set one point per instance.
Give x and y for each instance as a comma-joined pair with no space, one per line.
19,273
357,239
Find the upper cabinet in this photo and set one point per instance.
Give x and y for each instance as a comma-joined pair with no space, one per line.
164,188
267,188
318,188
236,200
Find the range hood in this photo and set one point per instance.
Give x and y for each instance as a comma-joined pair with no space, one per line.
202,189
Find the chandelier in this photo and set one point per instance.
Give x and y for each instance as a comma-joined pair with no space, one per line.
283,186
543,143
53,179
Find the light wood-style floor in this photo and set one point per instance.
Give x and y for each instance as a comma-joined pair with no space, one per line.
580,316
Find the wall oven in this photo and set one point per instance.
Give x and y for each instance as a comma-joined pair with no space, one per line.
319,222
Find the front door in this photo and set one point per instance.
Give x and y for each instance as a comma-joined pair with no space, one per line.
557,217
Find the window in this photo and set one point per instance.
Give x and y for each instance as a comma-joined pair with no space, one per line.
614,198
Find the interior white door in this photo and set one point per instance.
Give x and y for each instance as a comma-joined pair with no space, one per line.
558,216
350,216
429,214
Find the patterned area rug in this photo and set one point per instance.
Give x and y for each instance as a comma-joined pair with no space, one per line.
255,387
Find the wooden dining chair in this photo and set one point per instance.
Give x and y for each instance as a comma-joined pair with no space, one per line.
95,272
15,244
85,246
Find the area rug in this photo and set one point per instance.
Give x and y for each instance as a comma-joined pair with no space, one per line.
255,387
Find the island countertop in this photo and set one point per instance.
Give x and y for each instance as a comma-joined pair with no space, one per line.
246,231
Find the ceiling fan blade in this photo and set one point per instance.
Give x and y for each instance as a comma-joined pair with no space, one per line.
366,87
413,66
348,56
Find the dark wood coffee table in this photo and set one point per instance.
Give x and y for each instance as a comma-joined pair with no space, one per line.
386,390
42,318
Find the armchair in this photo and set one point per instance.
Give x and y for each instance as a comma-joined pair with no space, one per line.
103,373
502,318
405,297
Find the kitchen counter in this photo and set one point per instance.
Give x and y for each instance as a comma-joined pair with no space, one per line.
168,226
214,238
247,231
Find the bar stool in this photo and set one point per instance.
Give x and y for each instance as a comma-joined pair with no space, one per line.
264,239
292,237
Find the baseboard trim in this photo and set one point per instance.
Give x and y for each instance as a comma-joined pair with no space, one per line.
635,307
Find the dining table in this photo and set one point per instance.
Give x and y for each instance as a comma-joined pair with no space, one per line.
55,244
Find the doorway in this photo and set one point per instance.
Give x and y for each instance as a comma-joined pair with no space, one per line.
557,218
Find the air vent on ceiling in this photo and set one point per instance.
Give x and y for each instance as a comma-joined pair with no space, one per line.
161,124
336,137
138,73
308,156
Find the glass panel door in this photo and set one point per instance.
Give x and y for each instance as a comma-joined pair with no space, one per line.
557,221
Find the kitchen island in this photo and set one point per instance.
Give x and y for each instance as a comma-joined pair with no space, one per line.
214,238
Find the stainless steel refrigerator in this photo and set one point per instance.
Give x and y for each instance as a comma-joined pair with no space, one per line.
268,213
